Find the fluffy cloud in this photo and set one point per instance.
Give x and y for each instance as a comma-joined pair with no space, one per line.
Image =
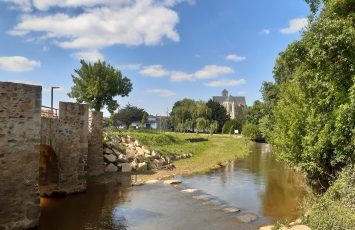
207,72
295,25
89,55
129,66
154,71
211,71
18,64
162,92
235,57
226,83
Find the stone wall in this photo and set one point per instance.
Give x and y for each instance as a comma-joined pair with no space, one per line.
66,139
20,122
95,157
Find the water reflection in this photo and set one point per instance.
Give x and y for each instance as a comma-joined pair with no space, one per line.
257,184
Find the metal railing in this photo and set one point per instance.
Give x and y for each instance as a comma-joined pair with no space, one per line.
49,112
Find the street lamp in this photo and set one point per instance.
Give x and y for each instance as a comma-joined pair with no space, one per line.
54,87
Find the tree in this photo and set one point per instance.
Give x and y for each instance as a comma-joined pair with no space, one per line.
144,120
252,131
201,124
97,84
218,113
213,127
129,114
314,109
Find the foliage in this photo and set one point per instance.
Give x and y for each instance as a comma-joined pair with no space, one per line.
129,114
144,120
97,84
336,208
251,131
201,124
309,112
213,127
218,113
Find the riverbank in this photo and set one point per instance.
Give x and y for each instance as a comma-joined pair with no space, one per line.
208,153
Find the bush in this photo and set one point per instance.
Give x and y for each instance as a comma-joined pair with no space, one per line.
252,131
336,208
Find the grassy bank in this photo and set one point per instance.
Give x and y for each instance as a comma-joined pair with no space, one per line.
209,152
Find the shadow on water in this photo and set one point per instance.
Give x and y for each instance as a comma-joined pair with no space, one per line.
259,184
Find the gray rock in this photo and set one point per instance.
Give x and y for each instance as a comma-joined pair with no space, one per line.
134,165
108,151
162,161
110,158
139,158
231,210
155,155
125,167
154,164
172,182
246,218
111,168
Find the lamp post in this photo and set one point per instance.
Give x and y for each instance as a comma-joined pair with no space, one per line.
52,88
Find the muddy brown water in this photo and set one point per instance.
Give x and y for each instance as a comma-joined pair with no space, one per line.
257,185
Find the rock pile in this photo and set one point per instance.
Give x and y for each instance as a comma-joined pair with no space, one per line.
125,154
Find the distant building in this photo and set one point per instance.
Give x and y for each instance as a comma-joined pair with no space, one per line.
232,104
153,122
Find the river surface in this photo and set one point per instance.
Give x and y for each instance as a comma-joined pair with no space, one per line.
257,185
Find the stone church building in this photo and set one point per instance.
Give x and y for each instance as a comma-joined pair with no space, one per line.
232,104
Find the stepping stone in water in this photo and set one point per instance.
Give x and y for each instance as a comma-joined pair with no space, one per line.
152,182
247,218
190,190
172,182
201,197
231,210
213,202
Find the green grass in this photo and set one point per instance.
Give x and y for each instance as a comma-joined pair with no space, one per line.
218,150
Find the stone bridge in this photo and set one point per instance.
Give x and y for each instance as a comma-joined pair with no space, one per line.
43,155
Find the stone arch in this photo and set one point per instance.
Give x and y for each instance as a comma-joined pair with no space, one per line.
48,170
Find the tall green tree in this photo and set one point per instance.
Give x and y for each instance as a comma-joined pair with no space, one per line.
218,113
314,110
98,84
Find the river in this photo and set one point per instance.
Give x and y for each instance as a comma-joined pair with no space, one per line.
258,185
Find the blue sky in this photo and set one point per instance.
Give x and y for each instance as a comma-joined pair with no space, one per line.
170,49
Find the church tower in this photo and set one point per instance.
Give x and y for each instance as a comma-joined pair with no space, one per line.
224,93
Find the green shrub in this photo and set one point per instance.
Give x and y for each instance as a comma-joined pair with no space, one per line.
336,208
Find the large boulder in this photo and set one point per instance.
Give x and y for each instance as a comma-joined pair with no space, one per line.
134,164
111,168
153,164
139,158
111,158
125,167
155,155
140,151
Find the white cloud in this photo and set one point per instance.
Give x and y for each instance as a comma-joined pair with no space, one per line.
226,82
154,71
123,22
89,55
235,57
18,64
265,32
208,71
162,92
295,25
211,71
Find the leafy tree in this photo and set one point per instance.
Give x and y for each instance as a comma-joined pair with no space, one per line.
313,113
97,84
252,131
129,114
144,120
218,113
201,124
213,127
